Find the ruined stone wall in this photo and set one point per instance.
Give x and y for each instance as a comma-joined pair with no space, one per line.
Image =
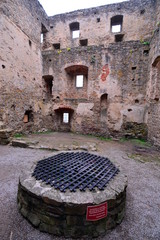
95,24
20,63
27,15
153,89
119,72
120,93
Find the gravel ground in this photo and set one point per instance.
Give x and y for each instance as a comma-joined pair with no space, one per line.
142,219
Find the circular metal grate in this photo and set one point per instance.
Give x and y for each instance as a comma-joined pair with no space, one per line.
75,170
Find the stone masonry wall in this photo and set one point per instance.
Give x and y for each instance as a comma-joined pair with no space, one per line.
138,23
20,63
120,96
120,72
153,89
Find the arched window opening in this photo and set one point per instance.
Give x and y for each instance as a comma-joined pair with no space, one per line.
78,75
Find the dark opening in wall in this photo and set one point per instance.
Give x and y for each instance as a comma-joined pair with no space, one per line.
56,45
43,32
98,20
48,79
116,23
119,37
13,107
136,101
51,27
142,11
74,27
134,68
104,98
146,52
103,107
30,43
3,66
129,110
84,42
156,99
64,118
28,116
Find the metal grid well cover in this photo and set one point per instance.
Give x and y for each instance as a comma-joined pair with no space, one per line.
75,170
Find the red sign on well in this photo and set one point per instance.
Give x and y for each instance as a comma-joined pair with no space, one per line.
95,213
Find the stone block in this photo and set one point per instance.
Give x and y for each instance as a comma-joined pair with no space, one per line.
19,143
33,218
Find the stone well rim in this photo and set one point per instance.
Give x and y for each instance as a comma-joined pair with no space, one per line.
39,188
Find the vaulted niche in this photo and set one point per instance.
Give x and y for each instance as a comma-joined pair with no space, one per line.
48,85
116,23
64,118
77,79
74,28
103,107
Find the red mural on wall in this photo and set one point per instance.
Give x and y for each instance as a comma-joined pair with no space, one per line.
105,72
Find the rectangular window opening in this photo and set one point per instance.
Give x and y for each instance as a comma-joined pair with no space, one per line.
42,37
56,45
79,81
65,117
84,42
75,34
116,28
119,37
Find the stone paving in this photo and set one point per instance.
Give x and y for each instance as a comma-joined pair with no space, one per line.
140,163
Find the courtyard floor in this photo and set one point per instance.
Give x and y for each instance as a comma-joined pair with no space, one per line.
139,161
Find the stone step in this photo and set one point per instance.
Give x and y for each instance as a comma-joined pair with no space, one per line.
19,143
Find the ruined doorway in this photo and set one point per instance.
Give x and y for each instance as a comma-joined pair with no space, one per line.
64,116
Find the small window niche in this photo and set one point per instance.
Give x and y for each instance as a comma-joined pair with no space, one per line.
48,80
66,117
28,116
119,37
84,42
30,43
74,28
79,81
146,52
116,24
98,20
56,46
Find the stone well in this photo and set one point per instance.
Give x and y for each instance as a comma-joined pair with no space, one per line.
72,214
